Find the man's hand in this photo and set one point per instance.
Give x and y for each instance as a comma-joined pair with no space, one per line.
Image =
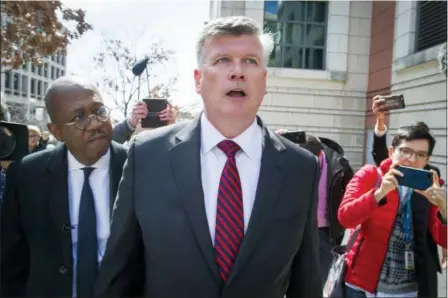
443,258
169,114
436,194
139,112
389,183
379,115
281,131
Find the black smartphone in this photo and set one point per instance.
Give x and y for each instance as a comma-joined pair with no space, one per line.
392,102
414,178
154,106
297,137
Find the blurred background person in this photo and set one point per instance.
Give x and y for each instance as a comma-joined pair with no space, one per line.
34,137
335,173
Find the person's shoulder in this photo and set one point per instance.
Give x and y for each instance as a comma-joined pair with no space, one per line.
295,152
367,171
159,134
37,157
33,162
119,148
120,152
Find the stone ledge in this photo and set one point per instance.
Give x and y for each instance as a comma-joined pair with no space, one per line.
326,75
416,58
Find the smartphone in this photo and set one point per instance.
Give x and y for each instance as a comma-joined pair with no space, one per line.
414,178
392,102
154,106
297,137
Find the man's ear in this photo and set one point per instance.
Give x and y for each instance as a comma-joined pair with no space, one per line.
55,131
197,80
391,151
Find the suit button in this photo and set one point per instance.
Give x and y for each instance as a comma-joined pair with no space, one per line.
66,229
62,269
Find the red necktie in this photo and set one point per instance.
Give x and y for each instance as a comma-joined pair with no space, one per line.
229,230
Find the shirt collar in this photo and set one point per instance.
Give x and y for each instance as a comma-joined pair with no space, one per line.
74,164
248,140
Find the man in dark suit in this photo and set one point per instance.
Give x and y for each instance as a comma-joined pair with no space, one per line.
222,207
57,205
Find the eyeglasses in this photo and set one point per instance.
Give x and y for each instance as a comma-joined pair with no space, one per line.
407,153
102,114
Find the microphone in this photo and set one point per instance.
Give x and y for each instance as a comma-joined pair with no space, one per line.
140,66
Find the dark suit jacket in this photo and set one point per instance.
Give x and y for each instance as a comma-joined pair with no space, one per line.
160,209
36,251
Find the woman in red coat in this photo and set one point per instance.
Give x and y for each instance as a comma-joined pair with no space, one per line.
395,253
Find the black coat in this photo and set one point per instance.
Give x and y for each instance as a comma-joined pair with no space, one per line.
36,252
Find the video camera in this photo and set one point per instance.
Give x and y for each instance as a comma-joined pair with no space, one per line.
13,141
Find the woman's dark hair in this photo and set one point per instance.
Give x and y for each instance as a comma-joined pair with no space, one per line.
415,131
312,144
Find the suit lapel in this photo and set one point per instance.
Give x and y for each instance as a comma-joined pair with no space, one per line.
116,168
186,167
272,174
55,184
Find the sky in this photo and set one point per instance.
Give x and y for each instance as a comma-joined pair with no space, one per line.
175,24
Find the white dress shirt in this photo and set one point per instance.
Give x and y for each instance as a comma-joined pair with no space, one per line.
213,160
100,183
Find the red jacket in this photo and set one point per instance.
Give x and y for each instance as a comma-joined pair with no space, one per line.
365,259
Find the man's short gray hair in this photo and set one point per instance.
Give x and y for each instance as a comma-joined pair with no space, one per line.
234,26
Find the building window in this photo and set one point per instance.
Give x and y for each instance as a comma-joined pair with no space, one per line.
39,89
46,69
24,86
33,87
15,82
300,33
7,83
431,24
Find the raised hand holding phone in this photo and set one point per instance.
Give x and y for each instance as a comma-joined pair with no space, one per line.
435,194
388,183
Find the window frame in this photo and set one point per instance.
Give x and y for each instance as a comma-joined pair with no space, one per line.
417,29
283,45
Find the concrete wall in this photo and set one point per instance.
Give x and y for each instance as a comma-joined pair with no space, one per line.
380,65
370,50
416,75
328,103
